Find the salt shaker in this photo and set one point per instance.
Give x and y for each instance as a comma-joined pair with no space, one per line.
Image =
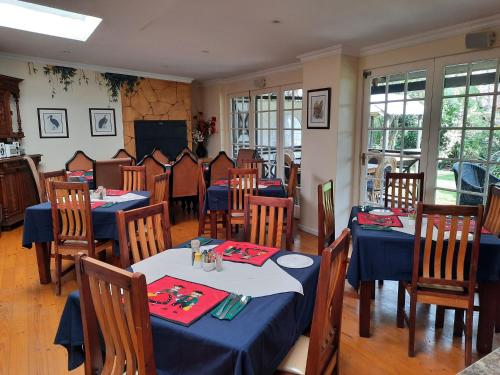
195,248
218,262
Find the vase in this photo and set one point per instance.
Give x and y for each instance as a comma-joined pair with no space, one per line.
201,150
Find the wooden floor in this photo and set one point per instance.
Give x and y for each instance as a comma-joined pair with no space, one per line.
29,316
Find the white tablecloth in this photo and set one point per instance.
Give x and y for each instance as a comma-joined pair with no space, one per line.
235,277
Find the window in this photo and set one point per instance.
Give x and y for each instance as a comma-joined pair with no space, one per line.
239,112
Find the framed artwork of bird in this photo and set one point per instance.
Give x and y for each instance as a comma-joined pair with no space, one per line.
102,122
53,122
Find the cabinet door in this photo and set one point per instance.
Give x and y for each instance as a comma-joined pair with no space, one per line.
5,116
11,193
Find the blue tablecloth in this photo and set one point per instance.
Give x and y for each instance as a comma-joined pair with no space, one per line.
38,221
216,198
254,342
380,255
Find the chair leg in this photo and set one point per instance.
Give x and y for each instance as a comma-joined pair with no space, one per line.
440,310
497,320
401,305
458,325
372,292
228,230
411,324
58,261
380,283
468,336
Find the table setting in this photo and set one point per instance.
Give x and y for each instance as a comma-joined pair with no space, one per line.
239,318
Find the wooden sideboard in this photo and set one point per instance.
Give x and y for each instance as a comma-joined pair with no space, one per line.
17,188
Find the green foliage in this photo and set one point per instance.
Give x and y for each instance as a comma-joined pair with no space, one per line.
114,83
63,75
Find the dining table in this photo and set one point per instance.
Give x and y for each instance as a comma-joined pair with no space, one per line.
38,230
388,255
216,199
255,341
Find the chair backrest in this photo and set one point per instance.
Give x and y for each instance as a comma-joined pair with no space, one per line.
187,150
244,154
267,220
202,191
242,182
71,215
133,178
218,167
324,342
160,188
108,173
143,232
160,156
452,259
403,190
114,304
291,188
80,162
185,174
123,154
46,177
257,164
385,166
326,214
153,168
492,213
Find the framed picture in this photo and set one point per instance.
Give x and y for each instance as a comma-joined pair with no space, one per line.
102,122
318,108
53,122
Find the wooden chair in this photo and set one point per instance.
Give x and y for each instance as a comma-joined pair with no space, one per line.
203,214
219,166
326,214
124,154
160,156
374,187
441,278
244,154
242,182
47,177
185,179
133,177
257,164
153,168
160,188
72,224
269,218
80,162
492,212
291,187
108,173
403,190
187,150
143,232
319,353
114,306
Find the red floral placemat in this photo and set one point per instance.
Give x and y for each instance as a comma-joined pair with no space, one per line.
182,301
93,205
116,192
245,252
447,225
270,182
399,211
97,204
365,218
220,183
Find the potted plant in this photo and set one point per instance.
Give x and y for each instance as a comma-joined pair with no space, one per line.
201,132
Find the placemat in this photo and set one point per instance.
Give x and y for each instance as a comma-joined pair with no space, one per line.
365,218
116,192
460,223
181,301
245,252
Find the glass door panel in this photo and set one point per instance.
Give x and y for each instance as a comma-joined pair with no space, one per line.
292,132
239,120
266,131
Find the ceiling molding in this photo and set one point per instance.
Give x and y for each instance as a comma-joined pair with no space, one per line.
259,73
436,34
320,53
97,68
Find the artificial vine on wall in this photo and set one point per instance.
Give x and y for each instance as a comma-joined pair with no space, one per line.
66,77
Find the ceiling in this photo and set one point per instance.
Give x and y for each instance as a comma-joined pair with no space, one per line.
222,38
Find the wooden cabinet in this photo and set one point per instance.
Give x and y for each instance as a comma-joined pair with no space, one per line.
17,189
10,119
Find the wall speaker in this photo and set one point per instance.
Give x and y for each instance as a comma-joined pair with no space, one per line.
480,40
260,83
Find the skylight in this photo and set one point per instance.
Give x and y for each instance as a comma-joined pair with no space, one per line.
46,20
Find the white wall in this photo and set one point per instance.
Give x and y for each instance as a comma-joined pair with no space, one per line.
36,93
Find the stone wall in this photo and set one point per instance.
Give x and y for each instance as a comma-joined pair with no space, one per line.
155,100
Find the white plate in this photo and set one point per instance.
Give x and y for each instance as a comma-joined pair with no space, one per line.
382,212
295,261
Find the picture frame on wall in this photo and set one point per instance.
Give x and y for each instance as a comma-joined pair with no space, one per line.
53,122
318,108
102,122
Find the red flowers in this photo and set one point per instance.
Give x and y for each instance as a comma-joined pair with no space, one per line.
206,127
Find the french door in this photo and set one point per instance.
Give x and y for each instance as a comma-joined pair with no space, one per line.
441,117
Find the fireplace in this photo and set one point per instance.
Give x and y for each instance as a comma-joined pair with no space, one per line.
170,136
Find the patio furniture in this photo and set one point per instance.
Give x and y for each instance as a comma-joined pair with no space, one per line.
473,179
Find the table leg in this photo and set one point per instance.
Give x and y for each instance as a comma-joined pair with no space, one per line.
213,224
43,260
365,299
488,294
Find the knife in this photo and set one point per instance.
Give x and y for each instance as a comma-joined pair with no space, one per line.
224,304
233,302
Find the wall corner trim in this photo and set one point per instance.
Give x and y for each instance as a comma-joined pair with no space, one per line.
320,53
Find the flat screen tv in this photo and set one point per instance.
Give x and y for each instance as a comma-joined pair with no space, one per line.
170,136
